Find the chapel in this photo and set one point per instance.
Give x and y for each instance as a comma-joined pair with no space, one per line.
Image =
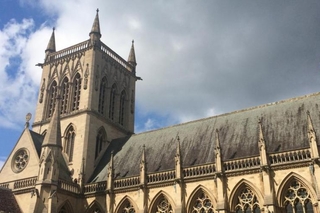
81,153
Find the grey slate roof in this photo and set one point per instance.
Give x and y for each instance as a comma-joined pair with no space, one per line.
284,125
8,202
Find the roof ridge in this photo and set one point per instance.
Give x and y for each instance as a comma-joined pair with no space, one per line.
233,112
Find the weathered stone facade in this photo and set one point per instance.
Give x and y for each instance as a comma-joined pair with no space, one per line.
82,155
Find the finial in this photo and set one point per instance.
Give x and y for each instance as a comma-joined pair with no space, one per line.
132,41
28,117
97,10
53,29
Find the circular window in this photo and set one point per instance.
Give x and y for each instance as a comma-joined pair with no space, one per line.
20,160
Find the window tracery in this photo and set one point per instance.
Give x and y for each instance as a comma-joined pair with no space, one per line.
203,204
51,99
102,95
20,160
112,102
100,140
164,206
247,202
64,95
76,92
122,107
297,199
69,142
128,208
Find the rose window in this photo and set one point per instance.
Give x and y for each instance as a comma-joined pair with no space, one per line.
20,160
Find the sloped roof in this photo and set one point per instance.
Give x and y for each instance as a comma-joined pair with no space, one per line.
37,140
284,125
8,202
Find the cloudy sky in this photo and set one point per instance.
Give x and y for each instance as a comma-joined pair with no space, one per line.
196,58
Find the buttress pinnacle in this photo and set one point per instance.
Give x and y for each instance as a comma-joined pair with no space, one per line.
52,43
95,30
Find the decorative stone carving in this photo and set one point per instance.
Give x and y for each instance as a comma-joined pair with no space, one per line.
20,160
42,91
86,75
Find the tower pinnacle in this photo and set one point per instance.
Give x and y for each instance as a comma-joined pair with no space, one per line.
95,30
52,43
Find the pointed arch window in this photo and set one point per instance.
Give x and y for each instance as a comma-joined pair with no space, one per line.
94,208
122,107
64,95
127,207
247,202
297,199
162,205
51,98
102,96
69,142
100,141
76,92
112,102
202,204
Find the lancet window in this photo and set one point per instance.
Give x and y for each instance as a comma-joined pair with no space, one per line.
297,199
163,206
51,98
122,107
102,96
69,142
76,92
100,141
64,95
112,102
202,204
247,202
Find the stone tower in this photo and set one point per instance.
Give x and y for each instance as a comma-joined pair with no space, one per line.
97,89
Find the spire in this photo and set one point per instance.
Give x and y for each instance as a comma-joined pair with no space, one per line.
53,136
52,43
132,56
95,30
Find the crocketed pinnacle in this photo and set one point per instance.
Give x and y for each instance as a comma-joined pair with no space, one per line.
52,43
53,136
95,30
132,55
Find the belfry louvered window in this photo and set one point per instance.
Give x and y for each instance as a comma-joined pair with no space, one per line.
76,92
102,96
51,99
122,107
64,95
112,102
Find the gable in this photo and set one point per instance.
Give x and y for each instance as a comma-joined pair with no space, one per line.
23,161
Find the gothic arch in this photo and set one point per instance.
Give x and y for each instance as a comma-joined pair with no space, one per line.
78,67
69,140
245,195
201,200
288,182
101,139
163,202
66,207
95,207
126,205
